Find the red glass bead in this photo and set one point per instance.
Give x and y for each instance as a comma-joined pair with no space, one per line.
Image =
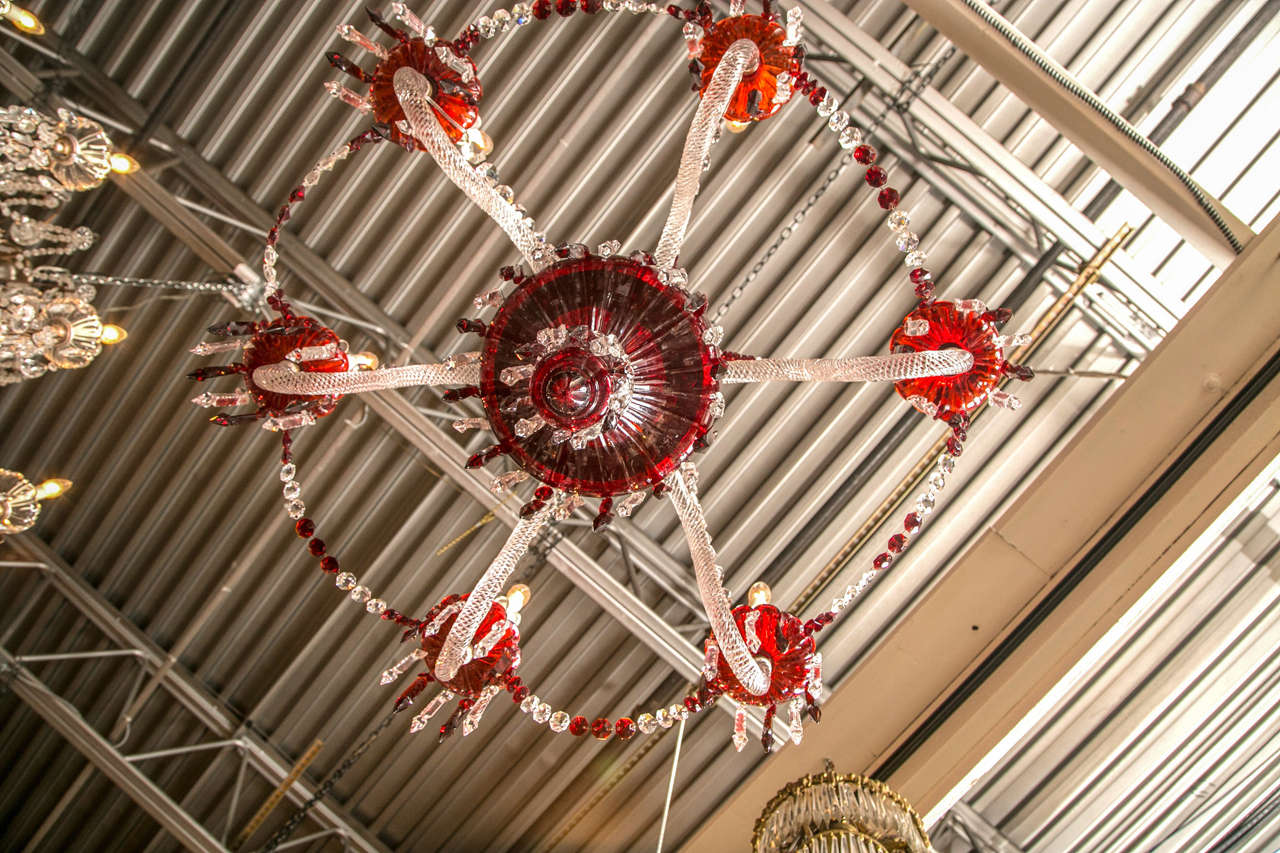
864,154
305,527
924,292
329,564
675,11
578,726
316,547
1019,371
888,198
542,493
876,176
816,96
920,274
911,523
601,729
298,194
705,695
954,447
542,9
897,542
691,702
882,561
999,316
592,6
566,7
531,507
519,694
625,728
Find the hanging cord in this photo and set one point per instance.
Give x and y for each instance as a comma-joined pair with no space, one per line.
671,786
325,787
1060,77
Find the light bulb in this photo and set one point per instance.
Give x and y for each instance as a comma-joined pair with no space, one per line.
517,597
52,488
736,126
25,21
759,594
112,334
123,164
365,361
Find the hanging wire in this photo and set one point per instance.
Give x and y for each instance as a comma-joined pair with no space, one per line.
671,786
327,785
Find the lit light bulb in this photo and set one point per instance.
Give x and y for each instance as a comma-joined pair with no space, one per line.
112,334
365,361
759,594
736,126
52,488
25,21
517,597
123,164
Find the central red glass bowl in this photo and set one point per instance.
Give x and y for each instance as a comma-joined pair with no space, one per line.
672,374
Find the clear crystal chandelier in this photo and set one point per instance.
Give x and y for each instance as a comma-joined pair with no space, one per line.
20,500
832,812
47,321
599,372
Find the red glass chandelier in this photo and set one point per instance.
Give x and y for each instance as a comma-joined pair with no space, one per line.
600,372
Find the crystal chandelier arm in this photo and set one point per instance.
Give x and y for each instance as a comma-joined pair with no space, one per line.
740,56
872,368
284,377
711,587
456,650
414,92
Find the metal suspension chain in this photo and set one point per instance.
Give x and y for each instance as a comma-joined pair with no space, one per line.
328,784
908,91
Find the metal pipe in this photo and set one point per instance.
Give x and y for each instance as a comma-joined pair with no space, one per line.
108,653
184,750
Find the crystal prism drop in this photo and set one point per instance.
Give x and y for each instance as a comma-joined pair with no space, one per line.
472,719
749,631
796,724
420,721
740,729
711,663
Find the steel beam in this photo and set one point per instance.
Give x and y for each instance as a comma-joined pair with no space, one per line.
973,144
68,722
1100,140
262,756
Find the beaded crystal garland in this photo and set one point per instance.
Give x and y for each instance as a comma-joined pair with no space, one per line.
599,372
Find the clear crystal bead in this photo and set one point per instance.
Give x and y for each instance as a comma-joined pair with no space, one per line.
287,471
678,712
647,723
925,504
297,509
916,258
946,463
850,137
521,14
361,594
528,703
344,581
898,220
375,605
559,722
907,241
291,490
542,713
828,105
839,121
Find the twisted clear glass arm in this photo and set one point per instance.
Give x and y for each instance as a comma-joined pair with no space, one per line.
414,94
741,55
711,587
456,650
870,368
283,377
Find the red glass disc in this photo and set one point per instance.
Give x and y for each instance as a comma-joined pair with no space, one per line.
783,644
476,673
669,371
950,328
456,101
775,58
266,347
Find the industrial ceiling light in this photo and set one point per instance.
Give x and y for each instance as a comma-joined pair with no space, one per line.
599,372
